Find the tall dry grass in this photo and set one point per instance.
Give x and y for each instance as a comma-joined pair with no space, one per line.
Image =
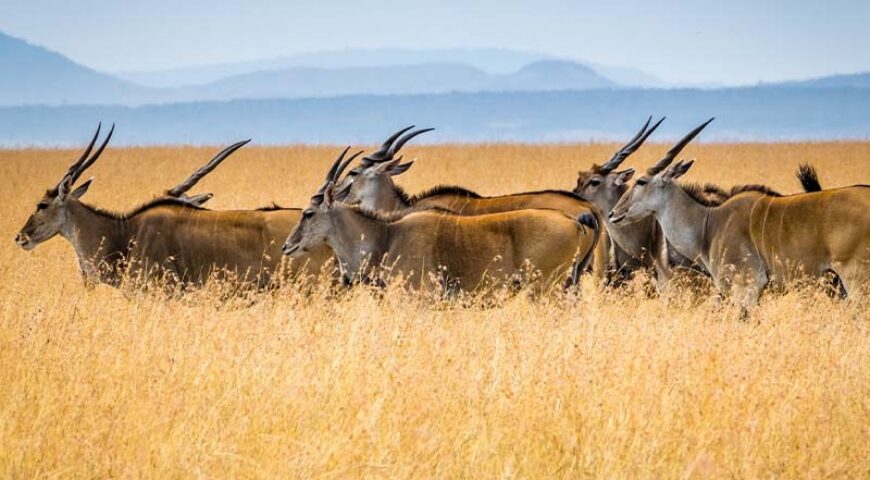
109,383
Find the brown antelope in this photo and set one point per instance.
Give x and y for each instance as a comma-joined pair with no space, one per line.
754,239
458,252
169,237
371,187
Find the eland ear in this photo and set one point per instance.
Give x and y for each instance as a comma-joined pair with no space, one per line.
200,199
329,195
399,169
624,176
678,169
385,167
82,189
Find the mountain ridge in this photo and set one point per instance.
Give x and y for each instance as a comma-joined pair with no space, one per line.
42,76
857,80
310,82
49,78
743,114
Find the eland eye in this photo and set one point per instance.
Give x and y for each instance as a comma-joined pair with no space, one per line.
41,206
308,214
641,182
594,183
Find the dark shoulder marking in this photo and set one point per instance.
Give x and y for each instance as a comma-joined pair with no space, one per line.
738,189
708,194
443,190
157,202
403,196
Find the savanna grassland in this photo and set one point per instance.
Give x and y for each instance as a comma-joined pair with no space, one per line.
101,382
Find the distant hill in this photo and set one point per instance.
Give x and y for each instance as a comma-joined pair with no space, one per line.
628,76
756,113
489,60
856,80
44,77
34,75
551,75
39,76
304,82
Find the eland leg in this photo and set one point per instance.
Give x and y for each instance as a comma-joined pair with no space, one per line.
854,278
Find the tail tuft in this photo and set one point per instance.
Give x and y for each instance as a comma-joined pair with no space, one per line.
587,219
809,178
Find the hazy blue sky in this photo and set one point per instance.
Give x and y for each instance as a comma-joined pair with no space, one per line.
726,41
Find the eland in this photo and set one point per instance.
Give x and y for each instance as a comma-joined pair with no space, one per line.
757,239
436,248
171,237
371,187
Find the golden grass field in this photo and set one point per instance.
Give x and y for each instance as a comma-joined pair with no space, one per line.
107,383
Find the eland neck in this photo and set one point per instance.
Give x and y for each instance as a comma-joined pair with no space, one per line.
635,239
359,241
385,196
685,224
99,239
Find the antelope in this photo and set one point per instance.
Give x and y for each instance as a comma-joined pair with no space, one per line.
168,237
641,244
371,187
755,239
459,252
809,179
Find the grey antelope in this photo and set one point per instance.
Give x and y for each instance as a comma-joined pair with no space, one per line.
371,187
431,249
168,237
755,239
642,244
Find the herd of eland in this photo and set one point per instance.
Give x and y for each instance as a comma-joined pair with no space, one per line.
360,227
